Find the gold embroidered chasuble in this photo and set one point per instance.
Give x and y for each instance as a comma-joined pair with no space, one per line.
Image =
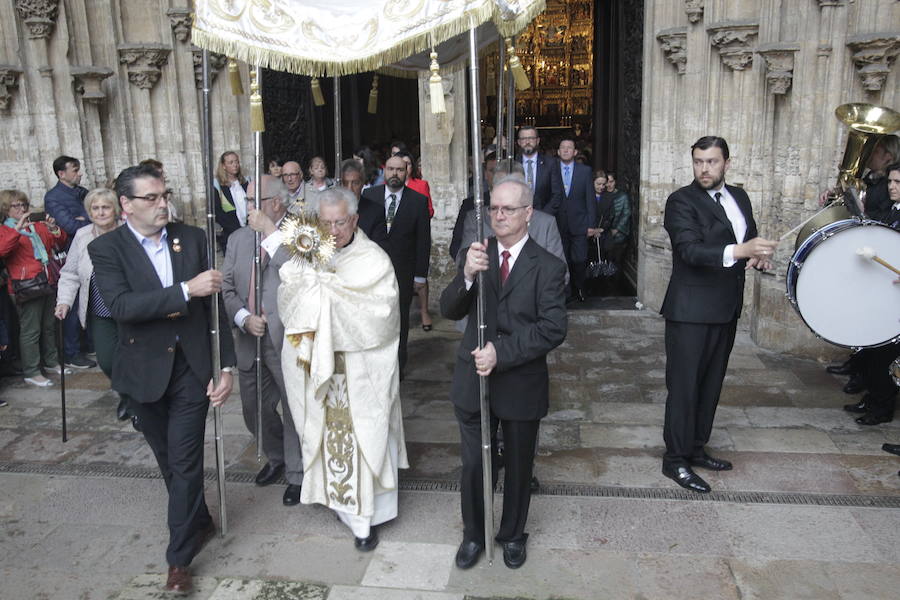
341,374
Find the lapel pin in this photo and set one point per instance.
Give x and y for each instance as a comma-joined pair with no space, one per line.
176,245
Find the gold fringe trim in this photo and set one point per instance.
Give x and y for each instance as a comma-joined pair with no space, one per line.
284,61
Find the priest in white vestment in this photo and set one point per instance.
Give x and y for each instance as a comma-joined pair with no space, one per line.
342,328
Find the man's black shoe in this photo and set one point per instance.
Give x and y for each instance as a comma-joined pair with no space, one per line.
855,385
535,484
514,553
468,554
79,361
713,464
367,544
136,423
892,448
858,407
870,419
269,474
291,495
686,478
122,409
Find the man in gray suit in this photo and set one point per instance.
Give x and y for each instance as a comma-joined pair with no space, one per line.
280,442
542,227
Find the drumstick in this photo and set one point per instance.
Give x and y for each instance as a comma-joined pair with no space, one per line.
791,231
868,252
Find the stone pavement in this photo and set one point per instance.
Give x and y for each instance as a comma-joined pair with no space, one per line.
811,510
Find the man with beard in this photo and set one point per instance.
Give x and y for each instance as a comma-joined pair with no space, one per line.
541,172
408,240
714,239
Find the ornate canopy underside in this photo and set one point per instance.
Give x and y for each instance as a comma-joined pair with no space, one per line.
342,37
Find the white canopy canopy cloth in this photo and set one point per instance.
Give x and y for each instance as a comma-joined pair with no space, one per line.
334,38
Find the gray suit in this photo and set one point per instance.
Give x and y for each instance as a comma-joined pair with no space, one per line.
280,443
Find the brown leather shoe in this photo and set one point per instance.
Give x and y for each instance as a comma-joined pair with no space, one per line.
179,580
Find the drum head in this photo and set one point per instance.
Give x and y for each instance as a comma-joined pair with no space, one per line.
845,298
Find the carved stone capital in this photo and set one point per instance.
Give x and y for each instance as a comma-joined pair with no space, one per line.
694,10
9,80
735,42
673,42
216,63
88,81
779,65
144,62
873,55
39,16
181,19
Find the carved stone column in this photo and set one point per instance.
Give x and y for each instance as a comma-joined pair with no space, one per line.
673,42
735,41
180,17
88,81
9,80
779,65
694,10
216,63
873,55
144,62
39,16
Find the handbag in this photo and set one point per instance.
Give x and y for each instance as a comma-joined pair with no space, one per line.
29,289
55,265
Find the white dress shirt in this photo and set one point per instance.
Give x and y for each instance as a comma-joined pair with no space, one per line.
239,200
737,219
158,253
514,252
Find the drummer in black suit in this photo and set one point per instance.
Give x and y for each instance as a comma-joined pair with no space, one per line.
714,239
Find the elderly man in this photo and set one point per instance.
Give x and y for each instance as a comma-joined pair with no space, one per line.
155,280
292,176
371,218
280,443
341,373
525,318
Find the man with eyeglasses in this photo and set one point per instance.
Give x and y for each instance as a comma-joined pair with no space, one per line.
279,440
155,280
292,176
525,318
341,373
541,172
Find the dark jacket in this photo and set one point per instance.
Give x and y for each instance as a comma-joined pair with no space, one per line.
65,204
701,290
152,319
525,319
578,211
548,185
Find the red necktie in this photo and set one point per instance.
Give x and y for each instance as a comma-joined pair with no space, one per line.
504,267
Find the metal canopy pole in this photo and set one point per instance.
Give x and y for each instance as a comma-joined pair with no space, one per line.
484,404
257,274
501,80
214,300
337,129
511,116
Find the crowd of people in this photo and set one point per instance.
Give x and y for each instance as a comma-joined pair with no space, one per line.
331,343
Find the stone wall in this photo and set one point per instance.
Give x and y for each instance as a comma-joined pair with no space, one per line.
766,75
110,82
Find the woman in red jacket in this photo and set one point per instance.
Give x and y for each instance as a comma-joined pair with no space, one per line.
26,247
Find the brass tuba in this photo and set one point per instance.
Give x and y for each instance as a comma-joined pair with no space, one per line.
868,123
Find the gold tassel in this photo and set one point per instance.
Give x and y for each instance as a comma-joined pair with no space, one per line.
516,67
318,98
234,74
373,96
436,86
257,120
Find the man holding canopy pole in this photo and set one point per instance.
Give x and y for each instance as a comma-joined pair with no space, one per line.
156,282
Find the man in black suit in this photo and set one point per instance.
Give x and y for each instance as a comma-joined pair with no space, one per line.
714,239
578,213
156,282
540,172
525,318
371,214
408,242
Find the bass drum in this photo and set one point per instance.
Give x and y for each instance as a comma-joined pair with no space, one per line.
846,299
832,214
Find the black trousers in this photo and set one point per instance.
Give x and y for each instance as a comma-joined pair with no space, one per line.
696,360
406,296
576,250
874,365
519,438
174,427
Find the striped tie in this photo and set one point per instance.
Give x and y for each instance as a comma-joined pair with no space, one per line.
98,307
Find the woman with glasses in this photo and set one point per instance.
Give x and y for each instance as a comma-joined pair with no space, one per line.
26,246
78,276
318,182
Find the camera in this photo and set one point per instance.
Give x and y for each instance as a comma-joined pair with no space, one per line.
36,217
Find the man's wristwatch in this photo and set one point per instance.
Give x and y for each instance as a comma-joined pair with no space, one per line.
227,369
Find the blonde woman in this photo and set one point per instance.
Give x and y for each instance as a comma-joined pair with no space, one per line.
231,185
318,182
